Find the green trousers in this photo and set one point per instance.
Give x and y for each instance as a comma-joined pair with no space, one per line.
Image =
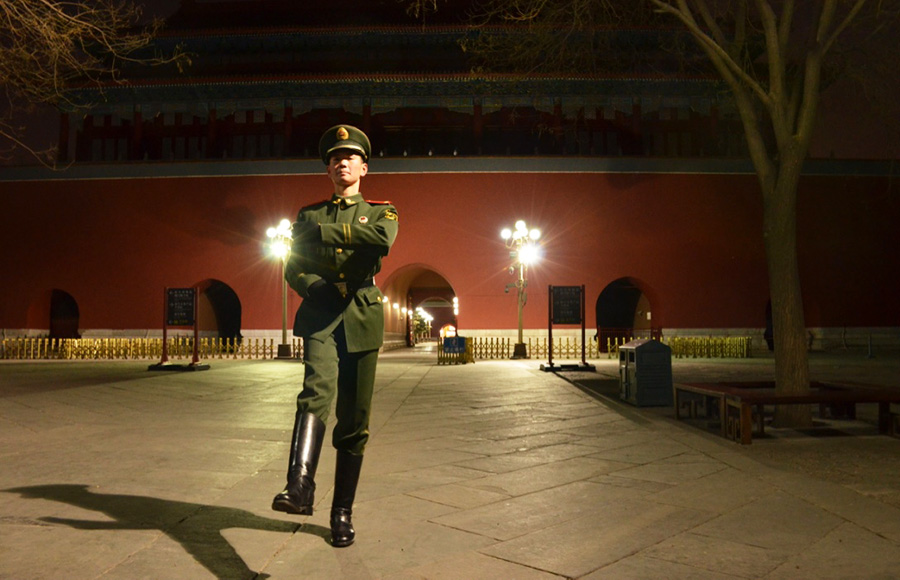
332,370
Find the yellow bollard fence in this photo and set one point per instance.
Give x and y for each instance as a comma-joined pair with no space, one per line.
488,348
139,348
695,346
496,348
482,348
711,347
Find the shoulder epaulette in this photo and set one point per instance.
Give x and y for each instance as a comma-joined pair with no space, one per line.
373,202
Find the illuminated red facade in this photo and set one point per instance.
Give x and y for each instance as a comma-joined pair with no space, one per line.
639,186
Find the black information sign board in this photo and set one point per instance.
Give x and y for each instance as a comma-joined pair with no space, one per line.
455,345
566,304
180,310
180,306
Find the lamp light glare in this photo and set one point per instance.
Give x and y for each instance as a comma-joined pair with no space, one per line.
529,254
280,249
506,233
534,234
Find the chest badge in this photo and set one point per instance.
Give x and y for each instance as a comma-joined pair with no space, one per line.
363,219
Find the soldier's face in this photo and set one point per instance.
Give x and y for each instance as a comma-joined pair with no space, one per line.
346,167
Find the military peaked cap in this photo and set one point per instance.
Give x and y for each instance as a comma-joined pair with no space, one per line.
344,137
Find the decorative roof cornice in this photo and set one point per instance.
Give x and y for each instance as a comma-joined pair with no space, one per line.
312,31
397,85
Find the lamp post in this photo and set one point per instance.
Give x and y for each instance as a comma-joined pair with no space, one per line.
280,247
523,245
422,321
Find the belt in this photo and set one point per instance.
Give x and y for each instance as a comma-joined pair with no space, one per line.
345,287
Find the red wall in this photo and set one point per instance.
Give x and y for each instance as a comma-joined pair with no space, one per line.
693,241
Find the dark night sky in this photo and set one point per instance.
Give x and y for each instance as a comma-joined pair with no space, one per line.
43,126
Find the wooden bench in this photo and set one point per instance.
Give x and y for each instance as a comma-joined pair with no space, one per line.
734,404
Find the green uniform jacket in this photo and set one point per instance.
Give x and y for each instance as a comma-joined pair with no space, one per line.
355,235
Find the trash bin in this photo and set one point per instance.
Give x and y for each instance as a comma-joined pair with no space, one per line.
645,373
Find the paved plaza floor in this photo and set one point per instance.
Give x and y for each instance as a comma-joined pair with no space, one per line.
493,470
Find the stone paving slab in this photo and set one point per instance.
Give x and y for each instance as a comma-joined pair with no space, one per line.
492,470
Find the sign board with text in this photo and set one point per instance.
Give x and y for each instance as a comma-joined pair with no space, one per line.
180,309
180,306
566,307
566,304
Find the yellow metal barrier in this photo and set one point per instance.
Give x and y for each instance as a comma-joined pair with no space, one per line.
695,346
484,348
487,348
139,348
613,344
711,347
563,348
494,348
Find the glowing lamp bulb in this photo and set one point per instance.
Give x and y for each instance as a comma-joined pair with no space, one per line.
280,249
529,254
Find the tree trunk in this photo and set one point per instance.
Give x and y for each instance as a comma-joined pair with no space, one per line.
780,233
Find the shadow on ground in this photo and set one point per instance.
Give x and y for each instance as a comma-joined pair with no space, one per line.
197,527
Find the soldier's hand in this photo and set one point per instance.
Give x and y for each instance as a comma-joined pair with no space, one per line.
326,296
305,232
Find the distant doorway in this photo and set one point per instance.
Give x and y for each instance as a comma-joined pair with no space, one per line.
219,310
623,312
64,315
414,287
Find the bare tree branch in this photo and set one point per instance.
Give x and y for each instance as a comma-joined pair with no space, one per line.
47,47
845,23
731,70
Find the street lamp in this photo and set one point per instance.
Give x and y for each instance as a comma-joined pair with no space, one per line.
280,247
525,251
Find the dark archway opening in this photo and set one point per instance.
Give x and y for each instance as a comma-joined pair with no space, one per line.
219,310
623,312
64,315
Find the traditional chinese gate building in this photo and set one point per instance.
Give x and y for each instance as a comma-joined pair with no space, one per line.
640,185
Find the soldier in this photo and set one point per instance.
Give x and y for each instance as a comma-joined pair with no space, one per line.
337,248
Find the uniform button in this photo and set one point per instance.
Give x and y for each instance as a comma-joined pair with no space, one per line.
341,276
340,250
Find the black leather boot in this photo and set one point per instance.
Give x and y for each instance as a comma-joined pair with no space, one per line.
306,444
346,476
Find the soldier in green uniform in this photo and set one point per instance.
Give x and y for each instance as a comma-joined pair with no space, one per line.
337,249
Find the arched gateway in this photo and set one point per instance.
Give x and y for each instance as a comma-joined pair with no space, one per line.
420,286
624,311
